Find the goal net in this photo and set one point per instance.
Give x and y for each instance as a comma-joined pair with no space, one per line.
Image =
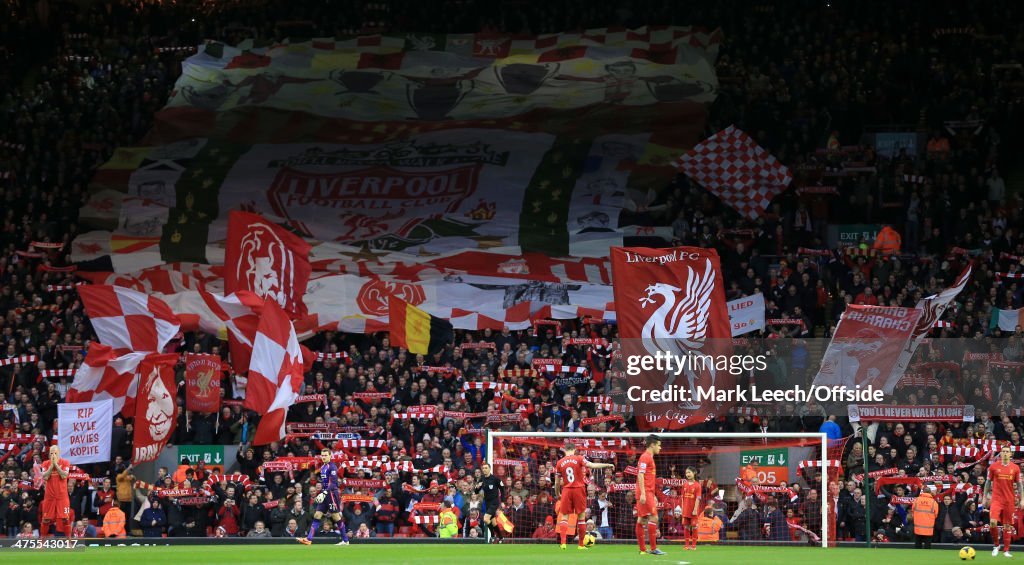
756,488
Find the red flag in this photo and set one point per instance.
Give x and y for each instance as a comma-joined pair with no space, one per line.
156,410
107,374
673,301
268,260
867,345
736,169
202,383
275,373
128,320
932,308
240,313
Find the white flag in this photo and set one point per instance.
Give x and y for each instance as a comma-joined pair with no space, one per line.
83,431
746,314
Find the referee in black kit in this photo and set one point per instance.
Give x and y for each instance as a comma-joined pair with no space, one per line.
492,490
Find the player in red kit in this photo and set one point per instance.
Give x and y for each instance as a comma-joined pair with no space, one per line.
691,495
56,503
646,499
571,487
1003,486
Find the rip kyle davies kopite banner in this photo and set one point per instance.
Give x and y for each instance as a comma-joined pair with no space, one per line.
672,301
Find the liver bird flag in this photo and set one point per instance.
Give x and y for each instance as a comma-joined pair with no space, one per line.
672,302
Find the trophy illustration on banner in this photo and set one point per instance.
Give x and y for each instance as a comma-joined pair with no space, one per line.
523,78
359,82
434,97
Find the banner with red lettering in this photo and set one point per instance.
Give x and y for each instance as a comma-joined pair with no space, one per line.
202,383
83,430
910,413
866,346
673,301
747,314
156,412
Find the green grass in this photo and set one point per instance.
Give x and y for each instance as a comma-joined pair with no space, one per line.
480,555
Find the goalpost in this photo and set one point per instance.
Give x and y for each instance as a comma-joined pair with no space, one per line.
787,465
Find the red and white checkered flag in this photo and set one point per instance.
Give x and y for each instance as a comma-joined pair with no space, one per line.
736,169
240,312
128,320
275,372
107,373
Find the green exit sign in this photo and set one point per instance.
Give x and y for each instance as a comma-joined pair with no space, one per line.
209,454
766,457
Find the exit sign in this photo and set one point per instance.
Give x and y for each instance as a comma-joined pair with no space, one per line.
772,464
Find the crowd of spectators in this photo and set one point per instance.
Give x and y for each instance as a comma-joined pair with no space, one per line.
807,80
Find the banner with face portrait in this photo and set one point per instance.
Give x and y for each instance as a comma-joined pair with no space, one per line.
266,259
866,346
156,408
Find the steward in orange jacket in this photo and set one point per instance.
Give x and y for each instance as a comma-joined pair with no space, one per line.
925,510
708,526
888,241
114,522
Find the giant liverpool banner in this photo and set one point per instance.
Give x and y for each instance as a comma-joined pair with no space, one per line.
421,144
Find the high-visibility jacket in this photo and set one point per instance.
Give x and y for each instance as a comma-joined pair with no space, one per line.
708,528
449,524
113,523
179,474
925,510
888,241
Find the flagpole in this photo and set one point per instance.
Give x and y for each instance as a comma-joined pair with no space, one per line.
138,382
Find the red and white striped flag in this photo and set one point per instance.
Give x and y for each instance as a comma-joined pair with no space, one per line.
275,372
19,360
736,169
959,451
830,463
128,320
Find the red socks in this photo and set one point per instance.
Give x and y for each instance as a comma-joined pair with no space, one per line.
581,530
563,527
1007,538
652,532
640,536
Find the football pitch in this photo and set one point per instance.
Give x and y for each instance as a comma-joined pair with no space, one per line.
481,554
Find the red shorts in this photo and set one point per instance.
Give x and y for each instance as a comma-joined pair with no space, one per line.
648,509
573,501
56,509
1001,512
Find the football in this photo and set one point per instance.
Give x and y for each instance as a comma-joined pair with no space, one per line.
589,540
967,553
